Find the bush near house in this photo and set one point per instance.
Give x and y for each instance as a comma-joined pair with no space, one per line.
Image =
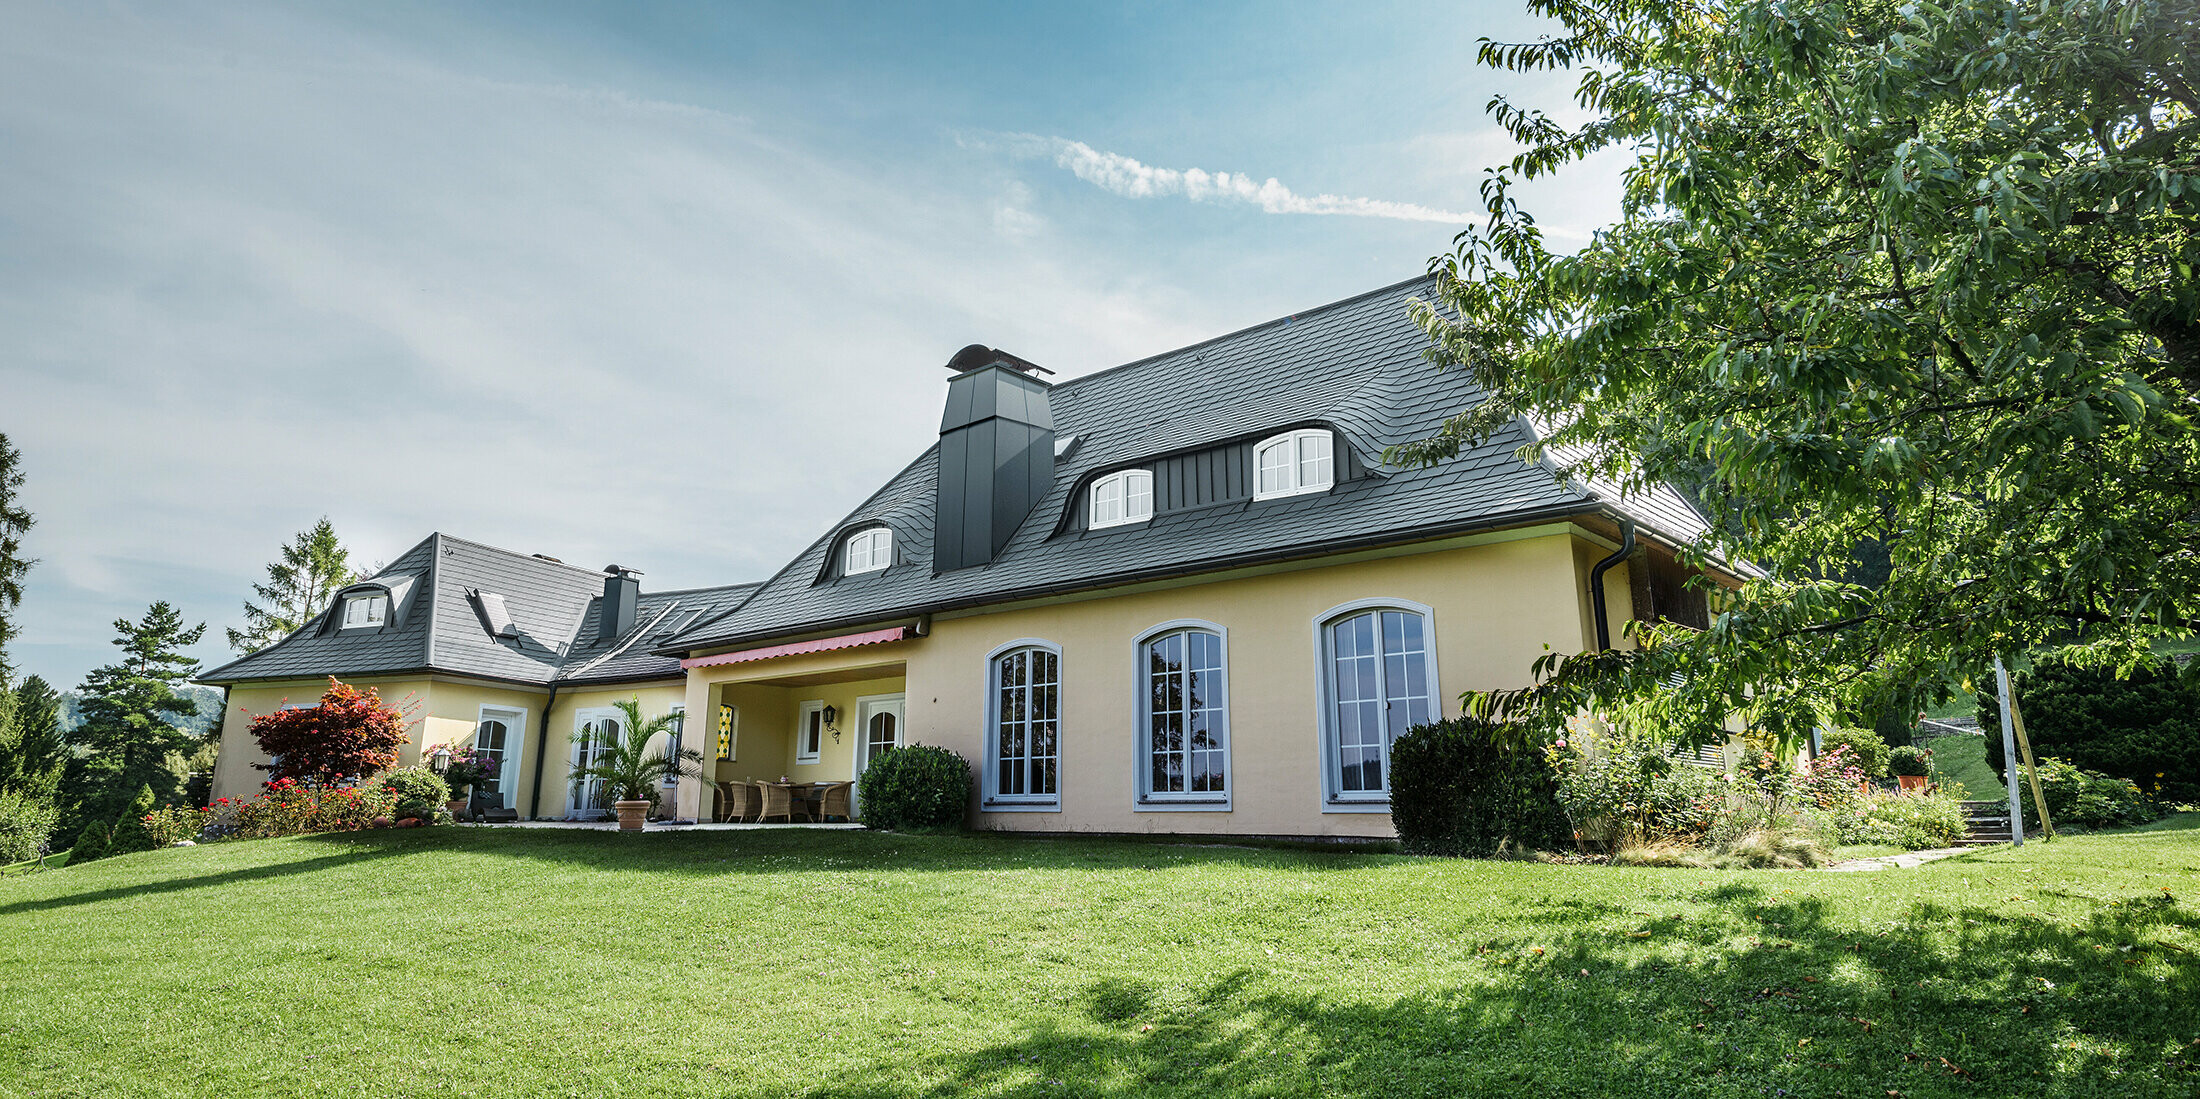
1460,787
918,787
349,735
1622,791
289,808
2145,728
414,792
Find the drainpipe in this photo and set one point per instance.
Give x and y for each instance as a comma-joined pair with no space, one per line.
542,745
1596,583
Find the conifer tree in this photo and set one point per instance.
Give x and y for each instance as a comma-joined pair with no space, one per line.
32,750
129,734
313,566
14,523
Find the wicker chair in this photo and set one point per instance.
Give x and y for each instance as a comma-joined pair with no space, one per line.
778,802
736,801
833,801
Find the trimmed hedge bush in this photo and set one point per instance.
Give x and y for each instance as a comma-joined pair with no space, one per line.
1911,761
417,792
2145,728
1458,788
920,786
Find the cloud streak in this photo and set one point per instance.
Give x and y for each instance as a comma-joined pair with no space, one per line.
1121,175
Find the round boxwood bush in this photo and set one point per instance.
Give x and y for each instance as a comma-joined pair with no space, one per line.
418,791
1911,761
1464,787
920,786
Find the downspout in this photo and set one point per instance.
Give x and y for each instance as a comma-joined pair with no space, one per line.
1596,584
542,746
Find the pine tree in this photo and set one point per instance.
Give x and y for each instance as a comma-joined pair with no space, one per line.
32,750
313,566
129,710
14,522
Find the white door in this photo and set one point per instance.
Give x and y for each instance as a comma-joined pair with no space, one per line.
595,732
498,737
878,730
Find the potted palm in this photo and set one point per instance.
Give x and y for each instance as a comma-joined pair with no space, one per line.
1911,766
630,772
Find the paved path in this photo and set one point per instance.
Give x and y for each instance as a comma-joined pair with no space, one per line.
1902,861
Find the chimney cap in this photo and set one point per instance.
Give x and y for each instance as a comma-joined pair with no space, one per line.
976,355
621,570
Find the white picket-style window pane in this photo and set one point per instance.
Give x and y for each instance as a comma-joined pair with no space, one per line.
1294,462
366,610
1184,738
1026,738
869,550
1377,663
1125,497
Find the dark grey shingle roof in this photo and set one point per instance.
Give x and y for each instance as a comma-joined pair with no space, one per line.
441,628
632,657
1356,364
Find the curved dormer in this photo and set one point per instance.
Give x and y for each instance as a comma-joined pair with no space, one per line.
865,547
369,606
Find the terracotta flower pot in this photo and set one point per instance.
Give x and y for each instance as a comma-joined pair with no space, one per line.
633,815
457,806
1911,782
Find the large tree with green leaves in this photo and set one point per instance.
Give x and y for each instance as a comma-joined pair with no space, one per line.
15,522
130,736
1890,280
313,565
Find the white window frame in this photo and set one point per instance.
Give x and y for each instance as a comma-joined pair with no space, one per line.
990,801
1144,799
878,551
515,723
1125,485
802,729
582,718
1296,482
673,745
366,611
1333,798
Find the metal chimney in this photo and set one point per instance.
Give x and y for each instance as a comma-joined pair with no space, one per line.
996,455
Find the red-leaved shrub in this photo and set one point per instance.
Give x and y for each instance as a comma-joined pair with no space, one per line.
351,735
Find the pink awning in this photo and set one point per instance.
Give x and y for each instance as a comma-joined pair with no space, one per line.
794,648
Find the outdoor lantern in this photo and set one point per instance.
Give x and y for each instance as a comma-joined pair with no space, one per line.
830,714
441,761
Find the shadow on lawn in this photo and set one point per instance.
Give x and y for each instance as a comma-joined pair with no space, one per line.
201,881
1759,995
772,851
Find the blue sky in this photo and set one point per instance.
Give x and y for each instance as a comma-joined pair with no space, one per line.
662,284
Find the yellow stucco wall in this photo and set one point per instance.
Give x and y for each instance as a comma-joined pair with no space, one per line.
440,712
565,719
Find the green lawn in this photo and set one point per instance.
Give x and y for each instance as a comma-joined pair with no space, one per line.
1963,759
475,962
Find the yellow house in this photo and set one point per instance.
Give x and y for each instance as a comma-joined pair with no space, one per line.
1182,595
511,653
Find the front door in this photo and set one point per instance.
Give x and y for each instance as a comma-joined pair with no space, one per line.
497,739
595,733
878,724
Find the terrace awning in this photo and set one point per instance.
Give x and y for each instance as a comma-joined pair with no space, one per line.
796,648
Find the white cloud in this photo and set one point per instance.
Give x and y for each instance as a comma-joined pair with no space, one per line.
1012,214
1125,176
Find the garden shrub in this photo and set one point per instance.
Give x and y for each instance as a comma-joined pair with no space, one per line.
171,823
128,832
349,735
25,824
1458,787
288,808
1910,761
91,843
2145,728
2087,799
920,786
1868,750
415,792
1627,790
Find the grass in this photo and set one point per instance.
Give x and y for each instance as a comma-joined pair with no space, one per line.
1963,759
478,962
51,862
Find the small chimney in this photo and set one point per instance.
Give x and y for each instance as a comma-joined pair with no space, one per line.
622,591
996,455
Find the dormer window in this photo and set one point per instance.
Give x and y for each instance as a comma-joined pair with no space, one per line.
868,551
366,610
1120,498
1292,463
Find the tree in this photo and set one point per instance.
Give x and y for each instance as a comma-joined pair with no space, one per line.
32,751
15,521
1890,281
2144,727
350,734
130,708
313,566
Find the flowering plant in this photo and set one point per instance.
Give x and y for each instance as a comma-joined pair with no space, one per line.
350,734
469,767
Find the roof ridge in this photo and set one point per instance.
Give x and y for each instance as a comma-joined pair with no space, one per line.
704,587
1247,330
597,573
435,591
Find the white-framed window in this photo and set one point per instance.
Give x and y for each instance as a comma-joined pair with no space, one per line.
1024,726
677,734
809,732
498,733
1183,733
366,610
1121,498
868,551
1294,462
596,733
1378,679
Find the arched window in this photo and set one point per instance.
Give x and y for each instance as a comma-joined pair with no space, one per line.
1294,462
1024,727
1378,680
1124,497
1183,717
869,550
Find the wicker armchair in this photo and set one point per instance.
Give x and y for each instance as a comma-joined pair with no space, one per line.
736,801
833,801
778,802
